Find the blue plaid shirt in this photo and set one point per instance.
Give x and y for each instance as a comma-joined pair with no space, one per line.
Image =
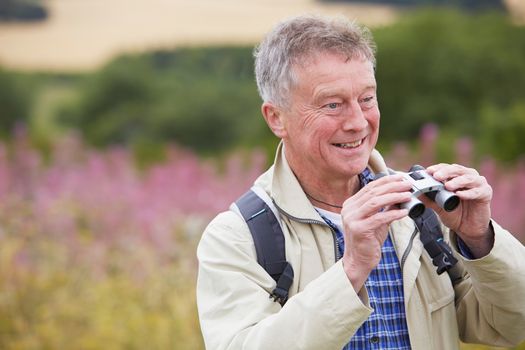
386,328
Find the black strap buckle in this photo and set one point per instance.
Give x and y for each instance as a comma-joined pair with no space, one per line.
280,293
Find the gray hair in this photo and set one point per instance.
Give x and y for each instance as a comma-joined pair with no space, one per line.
294,41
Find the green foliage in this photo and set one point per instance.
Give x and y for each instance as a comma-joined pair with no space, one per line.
113,103
205,99
466,4
14,102
465,73
454,70
22,10
503,130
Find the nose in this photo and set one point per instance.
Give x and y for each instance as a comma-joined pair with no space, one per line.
354,120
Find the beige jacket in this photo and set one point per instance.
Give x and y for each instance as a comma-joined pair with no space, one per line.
323,312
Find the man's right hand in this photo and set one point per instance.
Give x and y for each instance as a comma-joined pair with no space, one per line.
366,217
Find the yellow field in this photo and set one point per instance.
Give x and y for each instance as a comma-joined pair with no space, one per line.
83,34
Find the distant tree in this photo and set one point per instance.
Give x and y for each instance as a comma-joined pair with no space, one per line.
203,98
14,103
466,4
22,10
464,72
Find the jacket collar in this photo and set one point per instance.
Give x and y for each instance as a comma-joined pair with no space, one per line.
287,192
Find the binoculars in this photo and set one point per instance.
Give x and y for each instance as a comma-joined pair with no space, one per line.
423,183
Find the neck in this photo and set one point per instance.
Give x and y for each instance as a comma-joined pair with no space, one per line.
323,190
334,207
329,197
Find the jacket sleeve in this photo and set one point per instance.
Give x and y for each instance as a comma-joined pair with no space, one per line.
490,300
235,310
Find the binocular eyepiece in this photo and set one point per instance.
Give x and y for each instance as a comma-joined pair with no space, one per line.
423,183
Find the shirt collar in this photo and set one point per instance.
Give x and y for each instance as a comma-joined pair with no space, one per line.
365,177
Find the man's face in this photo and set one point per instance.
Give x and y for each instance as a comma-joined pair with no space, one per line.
332,124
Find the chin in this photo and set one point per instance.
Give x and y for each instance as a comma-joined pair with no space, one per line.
350,171
357,167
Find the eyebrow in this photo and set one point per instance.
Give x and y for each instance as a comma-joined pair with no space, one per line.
326,93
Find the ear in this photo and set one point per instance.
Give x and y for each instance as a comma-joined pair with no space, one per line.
274,118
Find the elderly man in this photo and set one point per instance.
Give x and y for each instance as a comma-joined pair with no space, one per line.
362,279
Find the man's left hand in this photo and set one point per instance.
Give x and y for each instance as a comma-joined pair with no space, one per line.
471,219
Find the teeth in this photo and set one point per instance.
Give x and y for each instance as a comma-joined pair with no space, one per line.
350,144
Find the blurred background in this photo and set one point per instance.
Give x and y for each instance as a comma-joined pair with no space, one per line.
126,125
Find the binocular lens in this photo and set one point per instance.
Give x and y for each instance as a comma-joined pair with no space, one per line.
445,199
416,210
451,203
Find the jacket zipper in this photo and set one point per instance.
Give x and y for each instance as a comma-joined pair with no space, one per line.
317,222
408,249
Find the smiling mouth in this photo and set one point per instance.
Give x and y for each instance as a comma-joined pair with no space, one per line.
349,144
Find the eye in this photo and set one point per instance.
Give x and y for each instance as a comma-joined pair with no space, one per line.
333,105
368,101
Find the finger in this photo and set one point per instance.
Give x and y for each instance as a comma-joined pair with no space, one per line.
385,202
387,184
385,218
375,224
372,202
382,203
478,193
465,181
385,179
433,168
450,171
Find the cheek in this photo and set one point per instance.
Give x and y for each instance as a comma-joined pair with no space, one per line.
315,128
373,119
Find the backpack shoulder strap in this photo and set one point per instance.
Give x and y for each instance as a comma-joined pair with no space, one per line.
269,242
431,236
